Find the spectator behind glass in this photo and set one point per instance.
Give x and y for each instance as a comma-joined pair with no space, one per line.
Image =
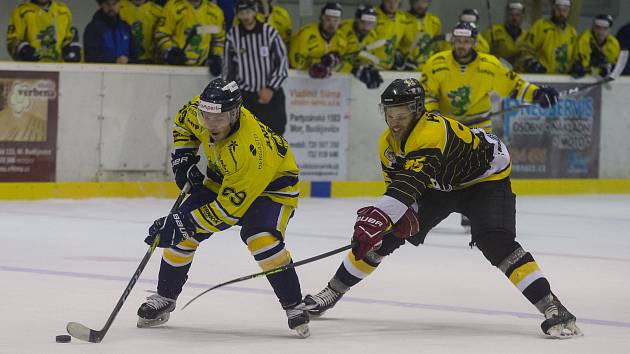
623,36
107,38
41,30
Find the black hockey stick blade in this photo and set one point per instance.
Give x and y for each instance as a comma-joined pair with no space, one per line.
272,271
84,333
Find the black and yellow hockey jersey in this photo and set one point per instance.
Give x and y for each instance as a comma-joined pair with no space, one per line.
179,18
440,154
46,30
463,91
251,162
552,46
586,45
143,20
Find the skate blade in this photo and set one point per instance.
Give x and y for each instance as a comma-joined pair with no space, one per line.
144,323
567,331
316,314
303,331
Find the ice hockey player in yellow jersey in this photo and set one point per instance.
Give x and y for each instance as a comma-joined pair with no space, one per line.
434,166
419,42
41,30
471,16
319,47
391,25
251,181
142,16
597,49
191,32
362,41
549,46
276,16
458,82
503,37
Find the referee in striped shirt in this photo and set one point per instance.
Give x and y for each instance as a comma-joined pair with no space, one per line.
256,58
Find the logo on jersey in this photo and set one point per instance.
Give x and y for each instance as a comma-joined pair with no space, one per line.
562,58
460,99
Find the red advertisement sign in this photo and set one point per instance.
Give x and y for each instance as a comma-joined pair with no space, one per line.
28,126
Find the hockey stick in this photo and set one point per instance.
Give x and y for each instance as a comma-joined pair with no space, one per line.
491,31
619,66
84,333
272,271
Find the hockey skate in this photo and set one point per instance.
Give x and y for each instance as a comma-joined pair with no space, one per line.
559,323
298,319
155,311
323,301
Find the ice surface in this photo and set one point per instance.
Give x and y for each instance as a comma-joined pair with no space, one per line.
63,260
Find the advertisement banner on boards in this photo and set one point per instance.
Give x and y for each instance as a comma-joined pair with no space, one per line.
317,126
28,117
560,142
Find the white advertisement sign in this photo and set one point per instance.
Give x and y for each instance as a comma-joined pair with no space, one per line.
317,125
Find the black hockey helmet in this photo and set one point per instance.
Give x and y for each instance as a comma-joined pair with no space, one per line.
332,8
465,29
403,92
220,96
603,20
365,13
246,4
469,15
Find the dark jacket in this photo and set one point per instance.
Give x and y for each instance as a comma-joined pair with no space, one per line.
623,36
105,39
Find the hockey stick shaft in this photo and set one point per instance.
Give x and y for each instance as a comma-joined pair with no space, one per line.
272,271
80,331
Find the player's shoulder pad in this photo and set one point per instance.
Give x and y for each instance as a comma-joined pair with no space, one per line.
281,11
432,17
429,133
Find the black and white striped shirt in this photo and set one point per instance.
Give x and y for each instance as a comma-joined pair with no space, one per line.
255,59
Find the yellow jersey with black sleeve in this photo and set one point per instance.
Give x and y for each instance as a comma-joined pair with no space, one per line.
501,42
440,154
308,46
47,30
586,44
278,18
143,20
179,18
391,28
418,42
553,46
463,91
251,162
356,51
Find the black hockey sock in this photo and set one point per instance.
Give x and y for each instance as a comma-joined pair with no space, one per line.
172,279
523,271
286,285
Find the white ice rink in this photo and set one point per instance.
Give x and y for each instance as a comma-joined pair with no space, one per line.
63,260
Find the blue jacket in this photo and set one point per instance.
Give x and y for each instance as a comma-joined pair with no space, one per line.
105,39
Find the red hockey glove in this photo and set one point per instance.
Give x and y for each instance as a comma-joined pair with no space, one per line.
408,225
372,224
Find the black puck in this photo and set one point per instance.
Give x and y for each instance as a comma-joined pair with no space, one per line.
63,338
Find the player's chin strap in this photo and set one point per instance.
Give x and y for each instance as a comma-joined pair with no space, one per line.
272,271
580,89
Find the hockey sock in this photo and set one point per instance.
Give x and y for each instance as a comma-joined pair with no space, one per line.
286,285
351,271
523,271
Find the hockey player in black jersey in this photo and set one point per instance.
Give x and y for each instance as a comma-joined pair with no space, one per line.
434,166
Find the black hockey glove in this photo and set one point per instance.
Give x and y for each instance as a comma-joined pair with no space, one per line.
185,169
331,60
175,56
71,53
598,59
399,61
27,53
172,229
319,71
533,66
546,96
215,65
368,75
577,70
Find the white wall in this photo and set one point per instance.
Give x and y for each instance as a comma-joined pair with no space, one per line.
114,121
